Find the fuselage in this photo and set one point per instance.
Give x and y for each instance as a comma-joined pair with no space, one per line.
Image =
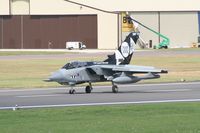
71,75
115,69
76,74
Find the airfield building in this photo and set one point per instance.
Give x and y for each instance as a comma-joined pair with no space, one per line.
49,24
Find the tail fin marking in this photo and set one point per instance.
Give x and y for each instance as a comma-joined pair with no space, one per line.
124,53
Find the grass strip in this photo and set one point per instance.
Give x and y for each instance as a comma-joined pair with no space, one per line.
29,73
140,118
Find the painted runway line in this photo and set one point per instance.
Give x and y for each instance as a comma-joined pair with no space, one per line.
99,104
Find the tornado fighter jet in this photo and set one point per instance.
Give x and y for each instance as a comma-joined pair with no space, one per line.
115,69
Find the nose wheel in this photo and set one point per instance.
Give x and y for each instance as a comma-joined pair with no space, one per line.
72,91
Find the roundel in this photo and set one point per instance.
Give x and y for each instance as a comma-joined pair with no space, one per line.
125,49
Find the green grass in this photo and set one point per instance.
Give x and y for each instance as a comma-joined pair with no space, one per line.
141,118
186,67
26,73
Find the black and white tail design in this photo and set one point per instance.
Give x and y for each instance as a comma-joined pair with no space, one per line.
124,53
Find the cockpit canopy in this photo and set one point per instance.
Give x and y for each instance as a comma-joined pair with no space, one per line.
77,64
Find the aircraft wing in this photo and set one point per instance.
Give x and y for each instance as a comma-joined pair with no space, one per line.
133,69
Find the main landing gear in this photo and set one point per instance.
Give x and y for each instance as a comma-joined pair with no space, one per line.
88,88
114,88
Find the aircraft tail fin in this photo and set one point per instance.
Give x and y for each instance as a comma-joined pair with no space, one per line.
124,53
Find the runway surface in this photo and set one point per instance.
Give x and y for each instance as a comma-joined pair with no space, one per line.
101,95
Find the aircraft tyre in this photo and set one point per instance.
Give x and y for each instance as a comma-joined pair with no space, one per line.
88,89
72,91
114,89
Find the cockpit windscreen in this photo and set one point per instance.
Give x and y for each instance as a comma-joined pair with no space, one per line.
75,64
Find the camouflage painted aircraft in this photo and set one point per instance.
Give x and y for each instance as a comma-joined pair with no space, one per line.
115,69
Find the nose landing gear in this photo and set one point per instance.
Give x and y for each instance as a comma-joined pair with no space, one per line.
72,91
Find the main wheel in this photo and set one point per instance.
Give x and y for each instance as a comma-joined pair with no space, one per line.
114,89
165,47
88,89
72,91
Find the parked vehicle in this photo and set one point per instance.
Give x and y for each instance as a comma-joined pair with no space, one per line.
75,45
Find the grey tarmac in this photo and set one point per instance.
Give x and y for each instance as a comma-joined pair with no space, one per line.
101,95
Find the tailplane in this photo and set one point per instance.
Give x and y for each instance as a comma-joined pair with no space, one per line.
124,53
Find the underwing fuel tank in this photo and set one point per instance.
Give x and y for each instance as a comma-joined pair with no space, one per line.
126,79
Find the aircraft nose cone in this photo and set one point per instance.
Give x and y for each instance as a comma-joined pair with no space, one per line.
56,76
